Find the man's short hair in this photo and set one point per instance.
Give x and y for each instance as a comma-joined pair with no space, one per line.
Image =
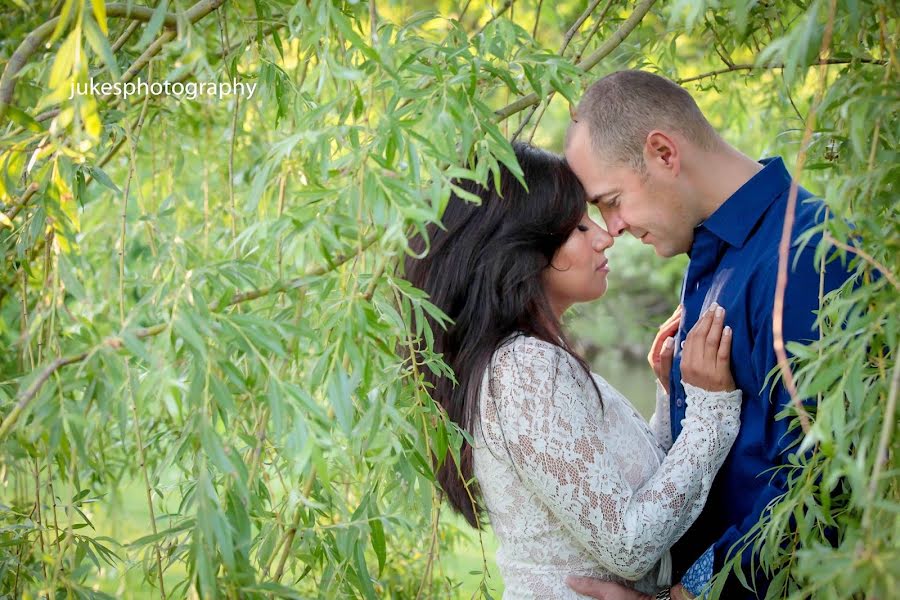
622,108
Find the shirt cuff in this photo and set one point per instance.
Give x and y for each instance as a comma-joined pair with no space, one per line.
700,573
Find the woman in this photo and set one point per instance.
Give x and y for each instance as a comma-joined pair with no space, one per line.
574,481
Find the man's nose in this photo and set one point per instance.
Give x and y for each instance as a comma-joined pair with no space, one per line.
615,224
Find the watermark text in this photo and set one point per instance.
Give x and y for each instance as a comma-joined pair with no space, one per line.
190,90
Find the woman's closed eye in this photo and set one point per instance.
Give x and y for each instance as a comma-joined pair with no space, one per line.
582,227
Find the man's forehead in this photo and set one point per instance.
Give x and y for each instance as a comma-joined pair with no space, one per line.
578,136
580,151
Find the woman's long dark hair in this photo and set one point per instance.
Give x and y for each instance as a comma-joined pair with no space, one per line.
483,269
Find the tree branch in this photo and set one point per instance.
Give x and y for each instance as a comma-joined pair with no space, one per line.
593,31
588,63
577,25
537,19
496,15
24,398
784,246
117,45
568,38
825,62
36,38
21,202
867,258
222,55
882,453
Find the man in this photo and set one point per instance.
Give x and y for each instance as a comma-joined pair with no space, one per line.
656,168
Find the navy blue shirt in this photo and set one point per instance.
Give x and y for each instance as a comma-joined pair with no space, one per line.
734,262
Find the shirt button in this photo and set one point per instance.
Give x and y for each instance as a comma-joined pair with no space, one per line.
678,402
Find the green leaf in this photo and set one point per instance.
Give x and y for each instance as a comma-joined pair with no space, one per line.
22,118
96,37
100,14
65,15
153,26
379,544
103,179
185,328
61,70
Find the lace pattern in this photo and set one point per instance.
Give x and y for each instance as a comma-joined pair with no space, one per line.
573,489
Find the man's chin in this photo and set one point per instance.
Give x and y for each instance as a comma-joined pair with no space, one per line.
666,252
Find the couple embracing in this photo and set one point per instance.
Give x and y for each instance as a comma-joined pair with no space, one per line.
585,497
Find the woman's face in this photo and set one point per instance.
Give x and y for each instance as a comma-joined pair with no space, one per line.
578,270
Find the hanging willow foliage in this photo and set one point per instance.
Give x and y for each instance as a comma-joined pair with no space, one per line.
200,297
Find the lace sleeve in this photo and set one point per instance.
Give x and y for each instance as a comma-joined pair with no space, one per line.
546,412
661,421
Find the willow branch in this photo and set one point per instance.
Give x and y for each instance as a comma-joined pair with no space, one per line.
882,28
297,281
577,25
138,65
462,13
120,41
593,31
718,45
568,38
222,55
36,39
881,454
588,63
27,396
496,15
824,62
618,36
784,245
295,524
17,206
537,19
866,257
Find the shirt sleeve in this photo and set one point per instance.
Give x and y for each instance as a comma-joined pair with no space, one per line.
799,325
660,422
542,405
700,573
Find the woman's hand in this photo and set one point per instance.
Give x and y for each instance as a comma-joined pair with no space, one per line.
663,365
666,330
706,355
663,348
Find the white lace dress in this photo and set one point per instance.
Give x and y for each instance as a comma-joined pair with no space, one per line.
571,489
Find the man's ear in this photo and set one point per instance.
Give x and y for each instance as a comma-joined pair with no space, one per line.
661,151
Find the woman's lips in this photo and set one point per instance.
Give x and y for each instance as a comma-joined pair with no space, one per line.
604,266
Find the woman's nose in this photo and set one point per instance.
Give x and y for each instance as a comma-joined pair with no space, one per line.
603,240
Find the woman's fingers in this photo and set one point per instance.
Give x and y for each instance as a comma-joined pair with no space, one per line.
701,329
665,361
714,335
706,355
674,319
667,329
693,344
723,356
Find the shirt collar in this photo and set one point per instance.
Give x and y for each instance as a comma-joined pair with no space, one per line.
738,215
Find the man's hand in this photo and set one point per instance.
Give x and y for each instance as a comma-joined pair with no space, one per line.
608,590
604,590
